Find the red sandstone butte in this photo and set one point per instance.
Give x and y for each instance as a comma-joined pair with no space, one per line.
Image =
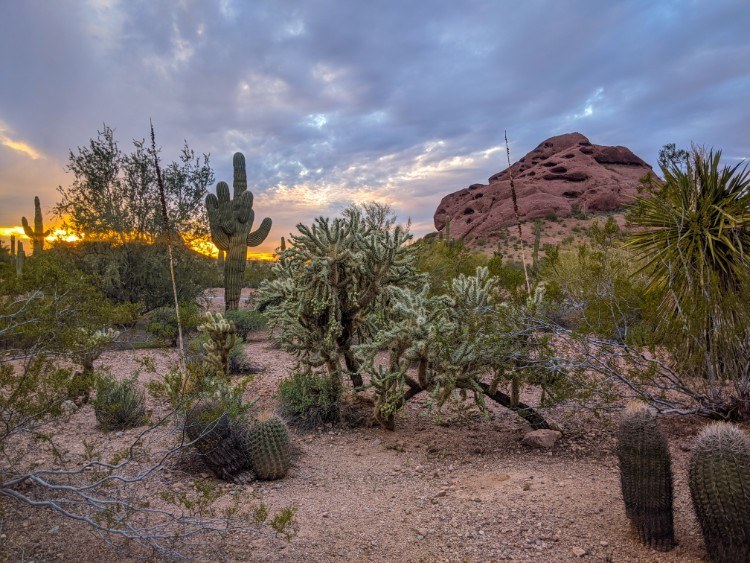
561,172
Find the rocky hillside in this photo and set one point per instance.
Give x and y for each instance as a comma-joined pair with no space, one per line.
565,175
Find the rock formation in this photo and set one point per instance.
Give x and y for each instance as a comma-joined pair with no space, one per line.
563,175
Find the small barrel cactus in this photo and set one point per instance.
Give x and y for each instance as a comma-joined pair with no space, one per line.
219,440
719,477
646,477
268,442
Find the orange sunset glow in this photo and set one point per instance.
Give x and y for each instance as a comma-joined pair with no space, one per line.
203,245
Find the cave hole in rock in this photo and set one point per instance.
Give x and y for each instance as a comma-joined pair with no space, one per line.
569,155
469,211
559,170
549,164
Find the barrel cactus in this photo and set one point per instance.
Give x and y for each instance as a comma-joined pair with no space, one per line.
230,221
268,442
219,440
37,234
719,478
646,477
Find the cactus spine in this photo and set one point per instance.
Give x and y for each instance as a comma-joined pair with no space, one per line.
719,478
231,221
268,442
37,234
646,477
20,257
219,440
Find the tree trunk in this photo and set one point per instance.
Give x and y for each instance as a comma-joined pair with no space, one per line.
523,410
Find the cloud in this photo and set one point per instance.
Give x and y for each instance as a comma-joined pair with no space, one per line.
334,102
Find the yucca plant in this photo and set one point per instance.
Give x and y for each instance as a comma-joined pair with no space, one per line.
695,249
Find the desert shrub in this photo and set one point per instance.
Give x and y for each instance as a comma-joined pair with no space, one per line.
137,272
442,261
305,400
119,404
257,272
693,248
597,290
239,363
163,322
246,321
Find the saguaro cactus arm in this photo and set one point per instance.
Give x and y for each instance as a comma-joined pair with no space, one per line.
257,237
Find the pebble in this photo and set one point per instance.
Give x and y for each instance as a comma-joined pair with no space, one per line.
579,551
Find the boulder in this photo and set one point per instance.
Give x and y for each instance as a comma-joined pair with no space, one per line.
543,439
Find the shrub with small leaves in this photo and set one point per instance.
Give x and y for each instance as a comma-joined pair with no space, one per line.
268,443
119,404
305,400
246,321
163,322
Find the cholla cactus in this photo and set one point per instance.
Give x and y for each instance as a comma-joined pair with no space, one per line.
719,478
646,477
331,290
223,337
90,344
37,234
231,221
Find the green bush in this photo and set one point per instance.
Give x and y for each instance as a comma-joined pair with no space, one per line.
305,400
163,322
138,272
257,272
119,404
239,364
246,321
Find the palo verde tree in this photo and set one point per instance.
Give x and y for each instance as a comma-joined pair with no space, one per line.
115,194
331,288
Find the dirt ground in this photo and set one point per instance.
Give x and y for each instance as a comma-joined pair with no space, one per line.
463,489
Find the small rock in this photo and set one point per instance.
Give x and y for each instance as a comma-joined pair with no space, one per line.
604,543
420,537
68,407
579,551
544,439
53,530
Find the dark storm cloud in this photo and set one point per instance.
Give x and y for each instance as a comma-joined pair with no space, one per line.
334,101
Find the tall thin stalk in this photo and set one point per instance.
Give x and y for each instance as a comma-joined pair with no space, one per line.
165,217
518,216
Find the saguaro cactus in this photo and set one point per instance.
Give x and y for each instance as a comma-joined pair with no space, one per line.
719,478
20,257
231,221
38,234
646,477
13,246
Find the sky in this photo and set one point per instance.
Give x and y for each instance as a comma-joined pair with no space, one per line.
334,102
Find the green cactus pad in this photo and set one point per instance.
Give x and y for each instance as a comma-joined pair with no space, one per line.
719,478
646,477
268,442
